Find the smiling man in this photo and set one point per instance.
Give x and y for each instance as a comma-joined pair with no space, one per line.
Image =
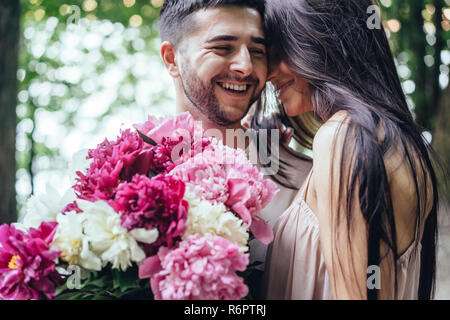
215,51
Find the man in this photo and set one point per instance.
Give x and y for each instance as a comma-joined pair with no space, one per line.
215,51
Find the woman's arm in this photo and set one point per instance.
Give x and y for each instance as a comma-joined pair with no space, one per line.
343,241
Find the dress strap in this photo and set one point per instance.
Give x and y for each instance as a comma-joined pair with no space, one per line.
305,189
417,233
301,194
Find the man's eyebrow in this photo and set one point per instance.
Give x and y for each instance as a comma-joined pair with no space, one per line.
223,38
257,40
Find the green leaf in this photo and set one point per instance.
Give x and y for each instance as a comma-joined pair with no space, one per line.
61,289
101,298
129,279
116,279
146,139
70,296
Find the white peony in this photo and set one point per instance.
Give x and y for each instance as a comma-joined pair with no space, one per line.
73,243
46,207
145,236
21,227
107,238
78,163
207,219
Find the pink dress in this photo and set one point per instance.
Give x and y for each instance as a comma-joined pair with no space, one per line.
295,268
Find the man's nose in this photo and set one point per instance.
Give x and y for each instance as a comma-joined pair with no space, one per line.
242,63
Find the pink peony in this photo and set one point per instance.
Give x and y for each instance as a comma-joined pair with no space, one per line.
201,268
239,196
153,203
27,270
158,128
226,175
262,191
109,159
178,138
205,176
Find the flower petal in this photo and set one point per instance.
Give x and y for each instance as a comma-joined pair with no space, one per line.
145,236
261,230
149,267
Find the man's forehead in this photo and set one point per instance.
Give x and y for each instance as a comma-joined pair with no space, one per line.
228,20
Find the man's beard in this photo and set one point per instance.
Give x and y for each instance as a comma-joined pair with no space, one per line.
205,100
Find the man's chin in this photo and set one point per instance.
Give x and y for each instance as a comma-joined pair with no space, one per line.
225,121
231,117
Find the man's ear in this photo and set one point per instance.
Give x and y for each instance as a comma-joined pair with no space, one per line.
168,54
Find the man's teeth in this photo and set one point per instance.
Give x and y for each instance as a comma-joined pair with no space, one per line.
234,87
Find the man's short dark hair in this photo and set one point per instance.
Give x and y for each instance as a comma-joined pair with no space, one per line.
174,21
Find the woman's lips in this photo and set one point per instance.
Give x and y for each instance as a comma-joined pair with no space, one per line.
284,86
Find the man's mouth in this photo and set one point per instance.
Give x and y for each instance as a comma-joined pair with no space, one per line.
234,88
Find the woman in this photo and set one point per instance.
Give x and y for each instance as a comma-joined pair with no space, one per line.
364,224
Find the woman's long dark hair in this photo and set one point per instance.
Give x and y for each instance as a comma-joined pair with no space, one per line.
350,67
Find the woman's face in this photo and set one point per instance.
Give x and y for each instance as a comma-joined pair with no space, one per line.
293,90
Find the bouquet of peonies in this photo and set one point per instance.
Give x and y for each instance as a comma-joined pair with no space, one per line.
162,202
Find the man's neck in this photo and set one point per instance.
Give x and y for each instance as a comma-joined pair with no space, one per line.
228,134
233,136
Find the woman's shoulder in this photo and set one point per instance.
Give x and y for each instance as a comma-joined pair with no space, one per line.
330,135
329,146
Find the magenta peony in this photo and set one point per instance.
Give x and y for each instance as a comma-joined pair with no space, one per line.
201,268
104,173
153,203
161,155
27,269
73,206
157,159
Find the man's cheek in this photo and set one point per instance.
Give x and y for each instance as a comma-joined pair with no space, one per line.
263,72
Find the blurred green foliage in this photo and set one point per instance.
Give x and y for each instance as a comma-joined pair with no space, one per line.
66,47
421,44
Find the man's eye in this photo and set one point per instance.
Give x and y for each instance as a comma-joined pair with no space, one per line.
258,52
222,48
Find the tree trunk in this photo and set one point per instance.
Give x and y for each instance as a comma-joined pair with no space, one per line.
435,89
9,48
418,46
441,144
